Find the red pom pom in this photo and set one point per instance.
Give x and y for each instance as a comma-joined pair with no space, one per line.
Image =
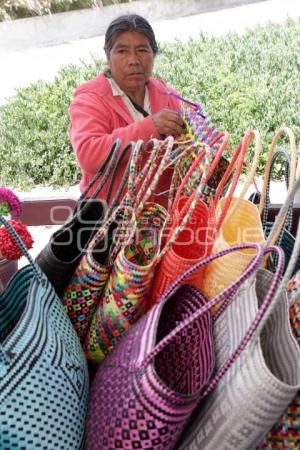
9,249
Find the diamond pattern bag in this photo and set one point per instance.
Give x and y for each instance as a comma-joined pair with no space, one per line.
146,389
43,372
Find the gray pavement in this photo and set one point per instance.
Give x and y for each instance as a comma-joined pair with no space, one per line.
20,68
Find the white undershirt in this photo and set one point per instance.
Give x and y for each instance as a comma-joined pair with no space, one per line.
136,115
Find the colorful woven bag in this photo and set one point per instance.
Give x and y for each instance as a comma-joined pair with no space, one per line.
244,225
196,238
125,296
43,372
85,288
60,257
145,390
82,293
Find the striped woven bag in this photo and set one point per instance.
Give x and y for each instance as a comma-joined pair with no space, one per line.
43,371
285,434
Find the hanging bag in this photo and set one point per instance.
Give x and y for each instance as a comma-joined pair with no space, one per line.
83,291
59,258
125,296
196,239
43,372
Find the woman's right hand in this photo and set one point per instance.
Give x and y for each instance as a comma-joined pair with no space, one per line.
168,122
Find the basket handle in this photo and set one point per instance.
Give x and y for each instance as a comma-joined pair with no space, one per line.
138,173
190,205
229,291
289,216
293,162
154,169
103,171
292,176
122,183
23,248
239,156
211,161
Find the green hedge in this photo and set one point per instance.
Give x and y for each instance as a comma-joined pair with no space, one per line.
249,80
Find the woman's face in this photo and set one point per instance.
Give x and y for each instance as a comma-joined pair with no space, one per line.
131,61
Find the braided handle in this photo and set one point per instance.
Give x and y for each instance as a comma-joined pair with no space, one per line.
239,156
139,174
122,183
194,105
103,171
210,162
249,137
22,247
289,217
292,177
228,292
151,181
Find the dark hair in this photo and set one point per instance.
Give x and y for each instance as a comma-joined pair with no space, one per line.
129,22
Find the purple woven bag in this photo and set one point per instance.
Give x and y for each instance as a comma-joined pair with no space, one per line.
146,390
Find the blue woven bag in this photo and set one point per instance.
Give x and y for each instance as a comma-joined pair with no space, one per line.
43,372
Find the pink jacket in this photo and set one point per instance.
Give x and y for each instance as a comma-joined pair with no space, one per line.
98,118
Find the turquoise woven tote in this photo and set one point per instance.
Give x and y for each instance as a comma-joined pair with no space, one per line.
43,372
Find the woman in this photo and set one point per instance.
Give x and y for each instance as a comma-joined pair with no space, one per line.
125,102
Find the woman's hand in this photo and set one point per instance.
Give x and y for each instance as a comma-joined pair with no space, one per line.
168,122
